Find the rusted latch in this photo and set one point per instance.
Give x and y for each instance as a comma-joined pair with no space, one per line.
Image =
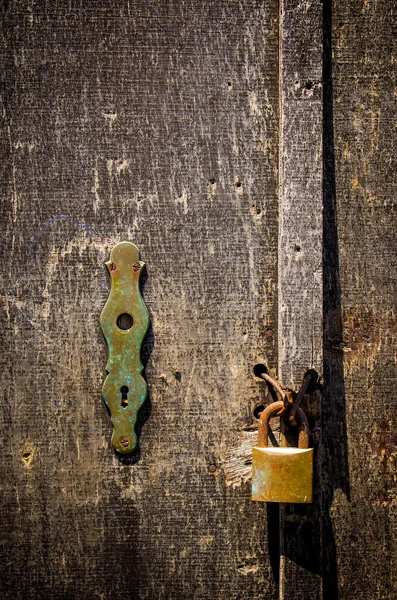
283,474
124,322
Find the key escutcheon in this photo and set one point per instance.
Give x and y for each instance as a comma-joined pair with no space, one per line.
124,321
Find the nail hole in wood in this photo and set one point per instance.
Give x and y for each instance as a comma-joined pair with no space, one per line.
259,368
257,411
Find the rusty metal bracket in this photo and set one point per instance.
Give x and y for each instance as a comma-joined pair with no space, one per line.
291,406
124,321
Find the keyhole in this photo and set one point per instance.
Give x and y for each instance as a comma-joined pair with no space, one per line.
124,321
124,399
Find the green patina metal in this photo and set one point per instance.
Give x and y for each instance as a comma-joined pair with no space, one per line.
124,321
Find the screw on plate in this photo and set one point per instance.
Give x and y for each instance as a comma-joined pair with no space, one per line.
124,442
136,267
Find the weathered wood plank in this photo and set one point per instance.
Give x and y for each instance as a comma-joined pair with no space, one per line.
137,121
363,511
153,122
300,324
300,208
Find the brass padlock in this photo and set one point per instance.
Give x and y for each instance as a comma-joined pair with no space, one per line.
282,474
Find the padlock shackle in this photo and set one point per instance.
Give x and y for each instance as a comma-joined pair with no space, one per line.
264,418
278,407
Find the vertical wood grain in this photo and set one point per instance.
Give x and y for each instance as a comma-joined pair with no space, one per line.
157,122
364,505
300,244
153,122
300,190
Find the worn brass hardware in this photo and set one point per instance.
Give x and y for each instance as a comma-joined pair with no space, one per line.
282,474
124,321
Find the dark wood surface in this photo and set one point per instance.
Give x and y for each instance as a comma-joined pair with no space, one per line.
300,272
157,122
359,418
153,122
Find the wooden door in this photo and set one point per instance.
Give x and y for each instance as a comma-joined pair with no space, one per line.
167,123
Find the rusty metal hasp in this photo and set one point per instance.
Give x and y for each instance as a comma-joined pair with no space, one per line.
124,321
